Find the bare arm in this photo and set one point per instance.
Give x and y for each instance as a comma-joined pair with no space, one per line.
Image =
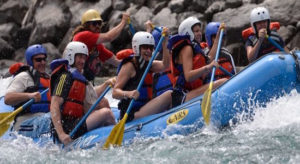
114,32
186,57
56,102
113,61
159,66
14,98
127,71
100,88
148,26
253,51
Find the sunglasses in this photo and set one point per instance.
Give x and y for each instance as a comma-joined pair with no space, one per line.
95,23
145,46
40,59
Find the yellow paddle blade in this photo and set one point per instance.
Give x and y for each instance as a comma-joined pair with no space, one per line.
4,128
206,104
5,123
8,118
3,115
115,137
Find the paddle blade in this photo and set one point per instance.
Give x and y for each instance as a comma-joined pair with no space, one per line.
206,104
115,137
3,115
4,125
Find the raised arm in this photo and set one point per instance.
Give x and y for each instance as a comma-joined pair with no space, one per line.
114,32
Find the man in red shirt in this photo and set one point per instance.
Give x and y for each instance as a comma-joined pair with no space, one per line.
89,33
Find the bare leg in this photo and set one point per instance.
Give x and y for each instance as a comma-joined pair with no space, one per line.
156,105
101,117
196,92
104,103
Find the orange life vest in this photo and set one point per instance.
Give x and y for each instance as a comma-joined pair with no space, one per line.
199,60
73,104
224,61
249,31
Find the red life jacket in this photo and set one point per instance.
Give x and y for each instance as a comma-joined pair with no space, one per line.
160,86
249,31
126,56
73,104
266,47
199,60
224,61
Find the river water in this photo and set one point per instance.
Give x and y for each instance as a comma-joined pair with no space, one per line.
273,137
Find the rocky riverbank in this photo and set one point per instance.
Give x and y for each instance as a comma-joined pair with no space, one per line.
27,22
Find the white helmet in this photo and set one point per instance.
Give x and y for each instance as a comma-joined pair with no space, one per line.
259,14
141,38
74,48
185,27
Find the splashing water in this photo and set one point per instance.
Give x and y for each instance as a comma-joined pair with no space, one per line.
272,137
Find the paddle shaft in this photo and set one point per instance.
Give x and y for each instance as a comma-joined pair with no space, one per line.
89,111
131,27
146,71
225,71
116,135
206,102
21,108
275,43
217,55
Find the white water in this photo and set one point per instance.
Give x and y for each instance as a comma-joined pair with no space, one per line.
273,137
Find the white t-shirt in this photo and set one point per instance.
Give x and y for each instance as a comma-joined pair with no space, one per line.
20,82
90,97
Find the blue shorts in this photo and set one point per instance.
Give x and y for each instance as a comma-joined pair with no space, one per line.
36,126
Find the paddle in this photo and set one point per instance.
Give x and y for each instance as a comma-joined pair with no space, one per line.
116,134
89,111
275,43
9,116
225,71
206,102
131,27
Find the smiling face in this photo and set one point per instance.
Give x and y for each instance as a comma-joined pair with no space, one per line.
197,32
39,62
80,61
146,51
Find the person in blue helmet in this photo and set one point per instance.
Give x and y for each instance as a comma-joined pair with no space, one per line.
189,64
162,81
225,59
28,84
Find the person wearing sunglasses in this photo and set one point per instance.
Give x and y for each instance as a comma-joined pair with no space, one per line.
131,72
89,33
28,84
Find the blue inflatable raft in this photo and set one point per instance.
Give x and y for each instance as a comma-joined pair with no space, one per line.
259,83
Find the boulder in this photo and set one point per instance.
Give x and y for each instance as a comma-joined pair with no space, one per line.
6,50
